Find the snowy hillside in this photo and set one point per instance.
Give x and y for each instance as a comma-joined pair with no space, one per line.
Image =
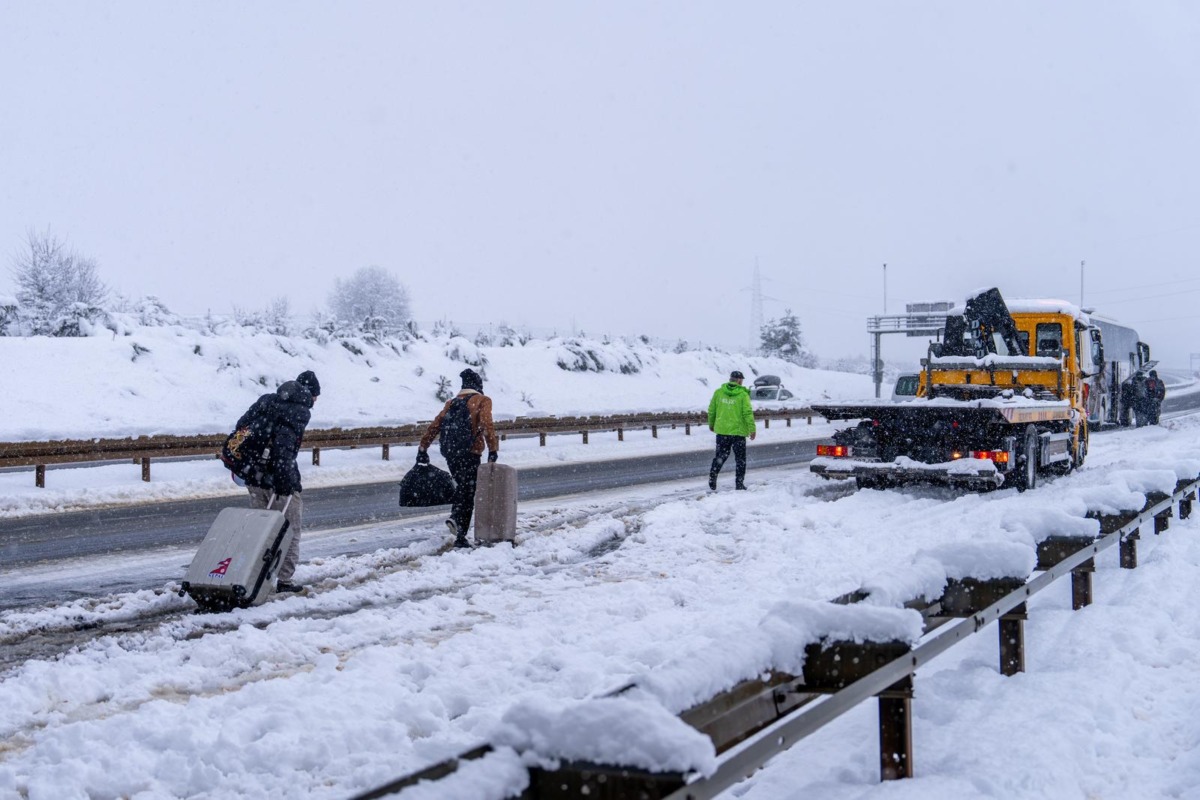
180,380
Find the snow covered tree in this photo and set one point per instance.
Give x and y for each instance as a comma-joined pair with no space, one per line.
371,298
58,289
782,338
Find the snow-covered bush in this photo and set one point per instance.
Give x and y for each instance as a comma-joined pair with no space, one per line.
459,349
8,315
582,355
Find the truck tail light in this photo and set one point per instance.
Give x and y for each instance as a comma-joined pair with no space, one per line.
998,456
833,450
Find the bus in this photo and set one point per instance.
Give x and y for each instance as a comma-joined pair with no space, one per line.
1117,355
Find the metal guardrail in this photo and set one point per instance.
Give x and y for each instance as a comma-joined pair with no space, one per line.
760,718
144,448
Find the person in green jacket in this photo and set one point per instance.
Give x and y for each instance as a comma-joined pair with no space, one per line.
732,420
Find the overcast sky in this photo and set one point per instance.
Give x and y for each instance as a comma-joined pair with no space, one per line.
617,167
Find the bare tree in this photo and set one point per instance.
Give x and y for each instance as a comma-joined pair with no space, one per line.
372,297
56,287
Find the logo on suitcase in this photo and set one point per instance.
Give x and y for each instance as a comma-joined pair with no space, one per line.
219,572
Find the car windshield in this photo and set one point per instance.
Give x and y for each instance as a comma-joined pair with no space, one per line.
907,385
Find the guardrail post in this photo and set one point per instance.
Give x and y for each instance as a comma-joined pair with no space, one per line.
789,422
1012,641
1185,505
810,419
1081,584
654,431
620,434
316,456
542,439
687,428
585,436
895,731
146,470
1162,521
39,476
577,779
766,422
387,452
1129,549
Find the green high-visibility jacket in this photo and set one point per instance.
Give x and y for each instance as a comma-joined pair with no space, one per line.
729,412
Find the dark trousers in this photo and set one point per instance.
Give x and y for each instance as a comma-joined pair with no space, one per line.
465,470
724,444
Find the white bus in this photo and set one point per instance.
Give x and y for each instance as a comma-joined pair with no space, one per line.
1117,355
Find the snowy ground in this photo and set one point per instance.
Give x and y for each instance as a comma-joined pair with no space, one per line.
406,654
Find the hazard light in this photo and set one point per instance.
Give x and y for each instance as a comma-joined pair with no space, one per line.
999,456
833,450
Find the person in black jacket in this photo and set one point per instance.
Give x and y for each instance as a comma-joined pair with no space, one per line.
1156,392
285,412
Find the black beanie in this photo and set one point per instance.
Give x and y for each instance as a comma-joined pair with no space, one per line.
308,379
471,380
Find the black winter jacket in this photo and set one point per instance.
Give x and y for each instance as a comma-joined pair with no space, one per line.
288,408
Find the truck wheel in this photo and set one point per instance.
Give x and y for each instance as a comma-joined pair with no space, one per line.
1029,465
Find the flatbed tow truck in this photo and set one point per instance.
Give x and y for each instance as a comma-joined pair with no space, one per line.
1000,403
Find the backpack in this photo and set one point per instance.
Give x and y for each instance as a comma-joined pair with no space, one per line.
247,451
456,435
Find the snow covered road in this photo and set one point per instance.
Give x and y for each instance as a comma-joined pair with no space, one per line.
405,655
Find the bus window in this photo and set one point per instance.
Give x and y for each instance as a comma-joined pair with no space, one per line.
1049,339
1024,337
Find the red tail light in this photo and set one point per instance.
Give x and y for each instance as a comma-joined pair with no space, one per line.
833,450
999,456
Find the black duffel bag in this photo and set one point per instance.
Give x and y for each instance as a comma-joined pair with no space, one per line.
426,485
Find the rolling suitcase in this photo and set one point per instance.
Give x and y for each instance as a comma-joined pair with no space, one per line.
495,503
236,564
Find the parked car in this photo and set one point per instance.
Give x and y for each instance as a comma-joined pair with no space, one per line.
906,386
769,387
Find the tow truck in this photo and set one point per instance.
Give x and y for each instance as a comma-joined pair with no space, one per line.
1000,402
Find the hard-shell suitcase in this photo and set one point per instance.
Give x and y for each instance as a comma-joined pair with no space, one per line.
496,503
239,558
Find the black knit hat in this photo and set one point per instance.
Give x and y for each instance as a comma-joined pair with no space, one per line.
471,380
308,379
736,375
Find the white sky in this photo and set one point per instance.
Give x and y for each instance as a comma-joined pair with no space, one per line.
616,167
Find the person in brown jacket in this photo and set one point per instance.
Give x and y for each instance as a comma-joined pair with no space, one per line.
462,428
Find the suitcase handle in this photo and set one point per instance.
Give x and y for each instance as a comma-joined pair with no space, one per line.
286,503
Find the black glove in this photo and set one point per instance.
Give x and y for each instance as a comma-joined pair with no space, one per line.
422,456
492,456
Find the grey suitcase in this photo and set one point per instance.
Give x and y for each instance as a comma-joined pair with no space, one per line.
236,564
495,503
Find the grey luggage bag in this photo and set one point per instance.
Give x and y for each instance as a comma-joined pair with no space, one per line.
495,503
236,564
